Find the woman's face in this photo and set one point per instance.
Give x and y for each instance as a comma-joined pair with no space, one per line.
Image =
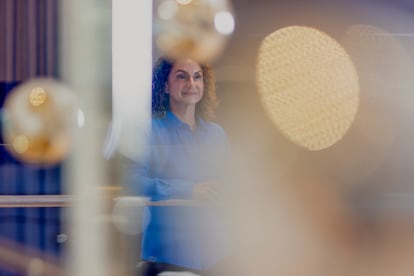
185,83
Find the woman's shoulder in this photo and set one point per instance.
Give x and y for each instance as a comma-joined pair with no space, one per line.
214,127
158,123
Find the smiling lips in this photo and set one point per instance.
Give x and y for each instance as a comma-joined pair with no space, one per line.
190,93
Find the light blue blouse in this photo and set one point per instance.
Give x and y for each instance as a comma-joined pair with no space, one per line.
177,158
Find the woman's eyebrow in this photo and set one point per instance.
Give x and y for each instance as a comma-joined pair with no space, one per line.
183,71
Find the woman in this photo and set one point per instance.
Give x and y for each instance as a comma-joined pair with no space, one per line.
184,161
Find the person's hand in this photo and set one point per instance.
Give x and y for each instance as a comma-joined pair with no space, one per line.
206,192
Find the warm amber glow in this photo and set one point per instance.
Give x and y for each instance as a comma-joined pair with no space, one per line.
308,86
39,116
20,144
37,96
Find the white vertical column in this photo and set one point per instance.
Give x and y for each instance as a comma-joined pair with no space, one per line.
85,67
131,73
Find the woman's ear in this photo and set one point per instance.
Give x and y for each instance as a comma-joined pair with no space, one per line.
166,88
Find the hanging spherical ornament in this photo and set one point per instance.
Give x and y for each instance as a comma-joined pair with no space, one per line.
198,29
38,116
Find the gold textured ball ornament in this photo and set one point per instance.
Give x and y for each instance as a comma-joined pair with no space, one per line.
38,116
308,86
198,29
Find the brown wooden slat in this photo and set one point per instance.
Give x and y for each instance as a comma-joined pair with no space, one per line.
35,201
25,201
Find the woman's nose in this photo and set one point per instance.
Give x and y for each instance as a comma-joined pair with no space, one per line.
191,81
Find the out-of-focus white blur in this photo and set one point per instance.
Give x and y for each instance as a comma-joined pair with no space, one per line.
128,214
346,209
84,65
343,210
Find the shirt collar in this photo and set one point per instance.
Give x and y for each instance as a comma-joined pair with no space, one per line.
175,122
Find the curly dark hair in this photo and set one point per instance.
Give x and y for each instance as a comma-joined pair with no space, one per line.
160,100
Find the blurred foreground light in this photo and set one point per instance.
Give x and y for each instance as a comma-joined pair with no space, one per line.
38,96
128,214
308,86
38,116
184,2
198,29
224,22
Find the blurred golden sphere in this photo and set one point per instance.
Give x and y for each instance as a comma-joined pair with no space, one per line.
308,86
198,29
38,116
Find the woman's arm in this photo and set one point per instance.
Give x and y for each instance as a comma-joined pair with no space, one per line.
141,182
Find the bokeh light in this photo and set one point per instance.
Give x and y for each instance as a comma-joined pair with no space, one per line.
38,96
308,86
184,2
198,29
128,214
224,22
38,117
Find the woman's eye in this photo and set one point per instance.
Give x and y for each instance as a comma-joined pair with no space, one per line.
198,77
180,77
